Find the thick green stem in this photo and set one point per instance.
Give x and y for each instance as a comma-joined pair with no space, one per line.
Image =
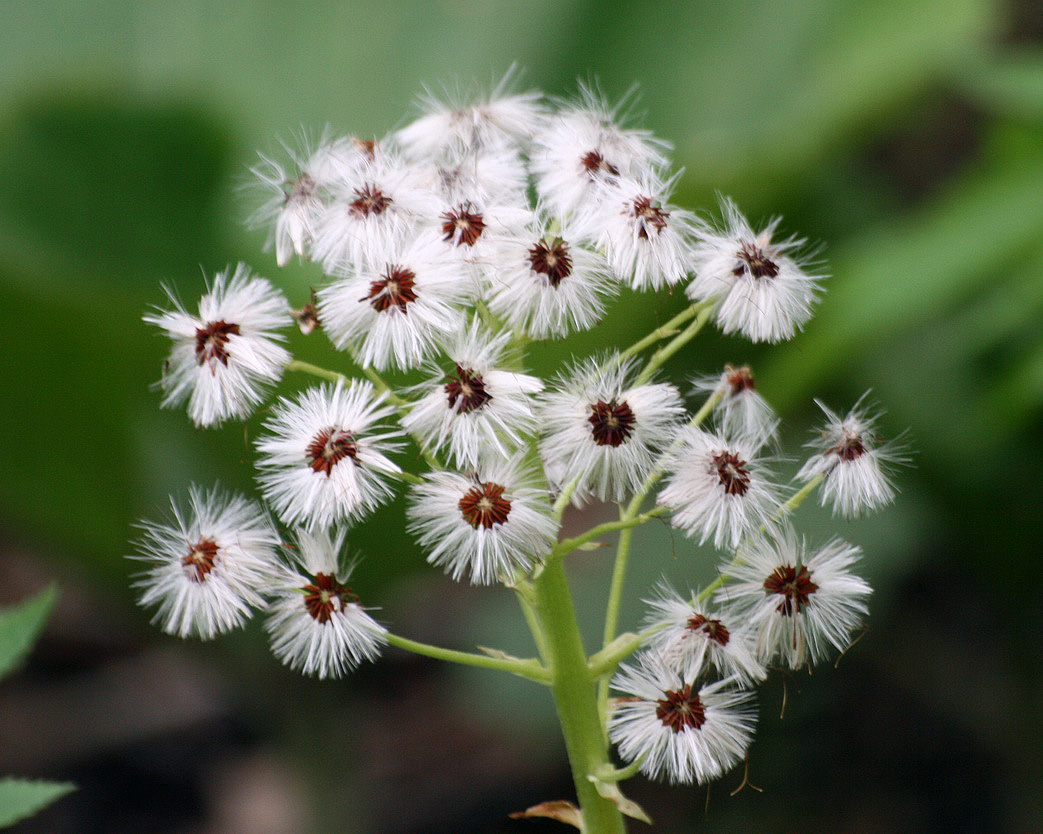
576,700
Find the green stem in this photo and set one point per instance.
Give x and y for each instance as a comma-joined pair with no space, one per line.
530,669
381,385
605,662
575,698
526,594
566,546
408,477
564,497
798,497
674,345
315,370
666,330
707,408
615,598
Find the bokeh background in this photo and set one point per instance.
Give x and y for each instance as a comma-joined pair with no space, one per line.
907,137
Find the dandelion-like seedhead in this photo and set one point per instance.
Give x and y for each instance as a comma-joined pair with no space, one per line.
209,563
492,221
603,431
758,284
678,730
317,624
798,606
324,459
485,527
226,357
719,488
696,640
857,466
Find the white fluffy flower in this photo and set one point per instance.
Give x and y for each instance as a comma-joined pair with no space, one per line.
298,192
649,243
691,639
496,174
324,460
856,466
372,206
760,289
225,358
796,608
208,564
485,527
603,430
718,488
317,624
396,309
471,121
547,285
581,149
741,411
682,732
473,232
476,410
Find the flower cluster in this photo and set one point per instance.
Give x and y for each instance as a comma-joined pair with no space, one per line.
449,246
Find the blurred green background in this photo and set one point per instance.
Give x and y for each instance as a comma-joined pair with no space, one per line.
907,137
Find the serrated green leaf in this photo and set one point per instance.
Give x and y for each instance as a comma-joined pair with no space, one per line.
20,625
21,798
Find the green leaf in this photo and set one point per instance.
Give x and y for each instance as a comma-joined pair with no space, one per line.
21,798
20,625
1011,83
910,272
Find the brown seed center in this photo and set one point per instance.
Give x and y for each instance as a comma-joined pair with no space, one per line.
732,473
484,505
611,422
367,147
849,447
713,629
369,200
325,597
755,261
466,390
301,190
462,225
681,710
596,165
651,219
551,258
795,587
329,447
740,379
212,341
200,559
395,288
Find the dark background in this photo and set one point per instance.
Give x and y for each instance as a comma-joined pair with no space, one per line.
906,137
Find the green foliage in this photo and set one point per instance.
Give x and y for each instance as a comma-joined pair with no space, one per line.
21,798
20,625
